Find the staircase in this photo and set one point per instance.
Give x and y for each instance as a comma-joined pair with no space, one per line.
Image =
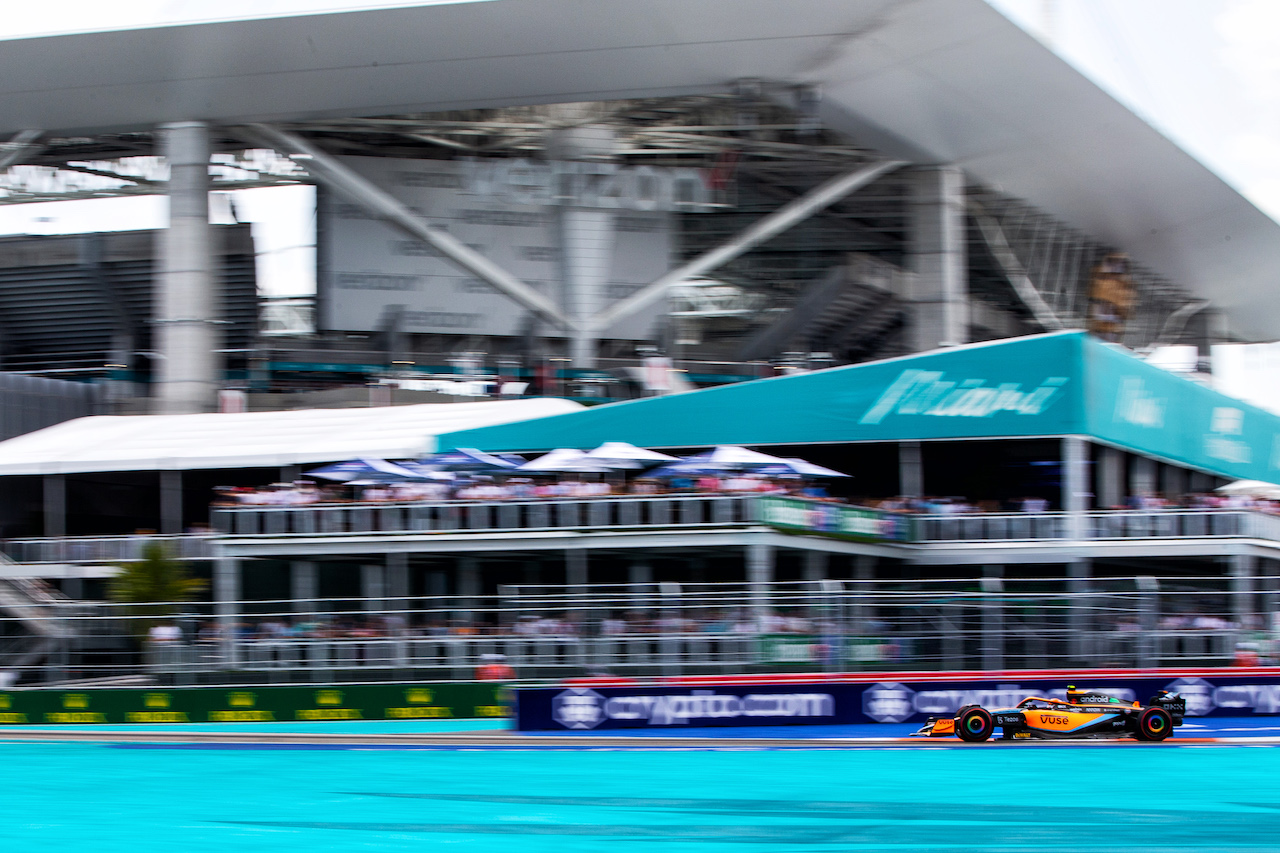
35,622
846,312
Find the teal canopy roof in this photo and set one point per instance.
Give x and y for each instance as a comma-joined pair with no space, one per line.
1065,383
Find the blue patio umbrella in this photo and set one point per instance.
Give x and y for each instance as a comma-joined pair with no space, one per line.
472,460
798,467
379,470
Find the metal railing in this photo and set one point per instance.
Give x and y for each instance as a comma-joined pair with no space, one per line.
508,515
644,630
106,549
673,512
1098,525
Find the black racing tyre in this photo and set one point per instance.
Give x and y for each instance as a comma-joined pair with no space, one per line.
975,725
1155,724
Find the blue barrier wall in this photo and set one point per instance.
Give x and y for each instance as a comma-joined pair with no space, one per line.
826,703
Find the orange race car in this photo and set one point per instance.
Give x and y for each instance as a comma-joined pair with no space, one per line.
1083,714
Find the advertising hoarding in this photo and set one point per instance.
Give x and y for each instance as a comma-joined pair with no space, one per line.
831,519
843,702
369,269
254,704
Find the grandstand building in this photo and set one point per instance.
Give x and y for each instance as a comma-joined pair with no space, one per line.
618,200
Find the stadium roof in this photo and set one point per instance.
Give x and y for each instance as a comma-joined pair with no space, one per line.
1067,383
253,439
935,80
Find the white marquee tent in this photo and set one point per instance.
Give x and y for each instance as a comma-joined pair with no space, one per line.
254,439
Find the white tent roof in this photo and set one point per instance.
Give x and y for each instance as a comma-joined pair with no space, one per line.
254,439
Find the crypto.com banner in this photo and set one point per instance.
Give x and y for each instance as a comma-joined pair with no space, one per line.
817,703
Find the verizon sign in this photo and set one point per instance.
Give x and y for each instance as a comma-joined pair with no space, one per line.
370,270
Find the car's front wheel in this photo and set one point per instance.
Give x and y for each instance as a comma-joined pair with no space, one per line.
975,725
1154,724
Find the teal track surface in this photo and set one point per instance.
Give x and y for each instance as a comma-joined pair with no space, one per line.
106,798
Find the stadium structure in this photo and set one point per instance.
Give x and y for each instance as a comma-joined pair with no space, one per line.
619,200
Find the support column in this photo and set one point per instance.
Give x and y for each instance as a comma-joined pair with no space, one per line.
760,562
586,245
226,597
1075,485
1110,478
170,501
373,587
397,578
815,566
992,618
1079,584
586,228
397,590
1243,612
1173,481
910,469
1142,476
940,292
575,570
1148,620
55,505
640,576
468,589
187,304
864,573
304,586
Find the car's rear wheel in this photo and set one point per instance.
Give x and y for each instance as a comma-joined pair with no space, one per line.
1154,724
975,725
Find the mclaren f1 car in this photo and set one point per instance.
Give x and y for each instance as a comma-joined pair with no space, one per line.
1083,714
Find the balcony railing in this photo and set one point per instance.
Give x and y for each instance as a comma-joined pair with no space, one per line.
1097,525
670,512
473,516
106,549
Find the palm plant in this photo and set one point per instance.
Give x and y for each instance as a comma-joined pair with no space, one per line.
152,588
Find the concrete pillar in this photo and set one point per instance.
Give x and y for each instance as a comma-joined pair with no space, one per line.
55,505
1075,484
397,591
575,570
1079,583
1173,481
586,245
397,578
815,566
186,302
373,587
992,618
864,573
170,501
304,586
910,469
1243,612
760,563
937,256
226,597
1142,476
586,229
468,587
640,577
1110,478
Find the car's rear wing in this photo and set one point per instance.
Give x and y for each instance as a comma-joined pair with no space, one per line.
1171,702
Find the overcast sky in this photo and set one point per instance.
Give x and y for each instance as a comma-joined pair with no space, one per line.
1206,73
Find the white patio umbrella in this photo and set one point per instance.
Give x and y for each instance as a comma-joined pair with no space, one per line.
620,454
564,460
732,457
1251,488
794,465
